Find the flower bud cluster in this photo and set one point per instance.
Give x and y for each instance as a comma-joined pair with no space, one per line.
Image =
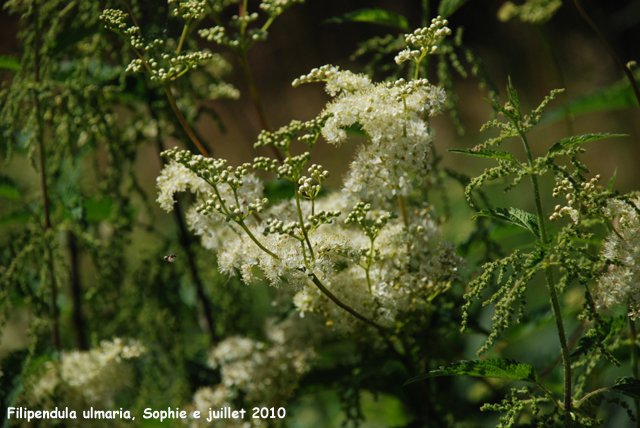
214,171
187,9
114,20
240,21
577,198
279,227
176,66
218,34
321,74
306,185
161,66
402,88
266,164
425,39
275,7
283,137
322,217
371,228
293,166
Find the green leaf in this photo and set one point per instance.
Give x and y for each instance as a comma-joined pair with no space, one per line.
514,216
620,96
498,368
356,130
374,16
8,188
9,63
584,345
627,386
96,210
447,7
565,143
19,216
495,154
278,189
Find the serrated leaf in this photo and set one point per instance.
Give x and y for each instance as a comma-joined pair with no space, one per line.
514,216
584,345
494,154
565,143
374,16
8,188
497,368
447,7
620,96
627,386
9,63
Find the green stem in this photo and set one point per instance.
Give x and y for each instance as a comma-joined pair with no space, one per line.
304,229
403,211
183,36
592,393
344,306
611,50
369,262
241,222
553,294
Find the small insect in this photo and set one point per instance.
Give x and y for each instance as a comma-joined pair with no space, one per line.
170,257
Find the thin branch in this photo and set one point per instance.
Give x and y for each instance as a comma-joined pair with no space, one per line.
613,52
55,328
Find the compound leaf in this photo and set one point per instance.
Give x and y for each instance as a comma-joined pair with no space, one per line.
565,143
497,368
494,154
515,216
627,386
374,16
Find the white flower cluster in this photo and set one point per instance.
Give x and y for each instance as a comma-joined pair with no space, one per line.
392,116
176,178
90,378
264,372
380,264
620,286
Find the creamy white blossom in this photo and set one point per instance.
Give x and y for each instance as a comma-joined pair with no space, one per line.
620,285
91,378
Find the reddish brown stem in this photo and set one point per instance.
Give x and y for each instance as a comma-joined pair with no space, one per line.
183,122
